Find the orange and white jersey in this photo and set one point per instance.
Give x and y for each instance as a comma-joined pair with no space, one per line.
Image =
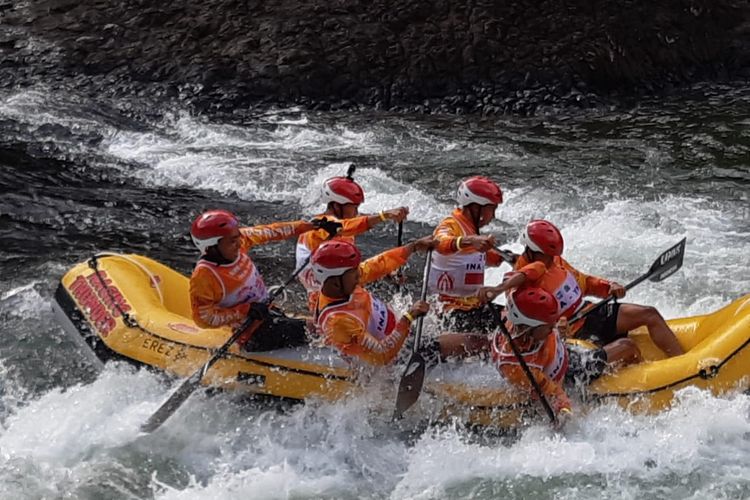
362,327
458,274
221,294
308,242
547,361
567,284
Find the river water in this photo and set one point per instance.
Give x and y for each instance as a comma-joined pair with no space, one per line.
79,174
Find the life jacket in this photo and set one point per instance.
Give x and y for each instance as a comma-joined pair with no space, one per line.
221,294
567,284
457,276
240,281
561,283
376,319
377,316
550,356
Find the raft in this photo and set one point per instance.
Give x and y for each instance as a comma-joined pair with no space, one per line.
129,307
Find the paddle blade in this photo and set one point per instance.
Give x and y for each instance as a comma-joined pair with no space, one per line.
410,386
668,263
173,402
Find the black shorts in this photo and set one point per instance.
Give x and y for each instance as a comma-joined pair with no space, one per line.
600,327
480,320
584,365
276,332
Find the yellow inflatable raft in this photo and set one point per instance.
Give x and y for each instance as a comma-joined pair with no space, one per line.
133,308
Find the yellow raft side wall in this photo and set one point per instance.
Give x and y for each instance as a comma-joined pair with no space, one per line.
708,339
174,343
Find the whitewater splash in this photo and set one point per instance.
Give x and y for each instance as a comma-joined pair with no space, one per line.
63,441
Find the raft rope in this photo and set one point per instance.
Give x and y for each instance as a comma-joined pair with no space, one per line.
154,280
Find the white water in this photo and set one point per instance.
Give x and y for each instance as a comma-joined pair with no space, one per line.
61,442
83,441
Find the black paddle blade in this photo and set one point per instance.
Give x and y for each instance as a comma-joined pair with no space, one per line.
410,386
173,402
668,263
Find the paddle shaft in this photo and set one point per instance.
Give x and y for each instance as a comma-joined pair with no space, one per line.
529,375
400,242
423,296
599,305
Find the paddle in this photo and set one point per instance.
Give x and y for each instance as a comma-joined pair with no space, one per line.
507,255
413,378
529,375
663,267
350,171
191,383
399,243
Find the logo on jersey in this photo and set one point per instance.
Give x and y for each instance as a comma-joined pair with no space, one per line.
445,282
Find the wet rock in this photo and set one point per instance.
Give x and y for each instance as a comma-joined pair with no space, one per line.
421,55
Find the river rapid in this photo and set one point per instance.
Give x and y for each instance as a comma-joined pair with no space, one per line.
81,174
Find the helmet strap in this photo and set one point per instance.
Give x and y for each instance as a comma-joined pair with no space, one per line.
337,209
475,211
340,281
212,254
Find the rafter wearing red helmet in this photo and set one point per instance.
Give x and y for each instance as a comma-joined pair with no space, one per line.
360,326
351,319
342,197
226,285
461,255
535,326
542,265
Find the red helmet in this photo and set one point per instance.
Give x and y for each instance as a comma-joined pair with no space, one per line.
209,227
532,307
543,236
342,190
334,258
480,190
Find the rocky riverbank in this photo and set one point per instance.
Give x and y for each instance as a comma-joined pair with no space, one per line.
475,56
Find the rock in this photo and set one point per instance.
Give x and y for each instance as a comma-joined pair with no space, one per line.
419,55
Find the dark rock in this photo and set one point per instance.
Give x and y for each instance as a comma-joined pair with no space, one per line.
418,55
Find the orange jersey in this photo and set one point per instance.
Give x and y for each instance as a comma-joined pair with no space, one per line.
362,326
308,242
566,283
221,294
547,361
458,273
